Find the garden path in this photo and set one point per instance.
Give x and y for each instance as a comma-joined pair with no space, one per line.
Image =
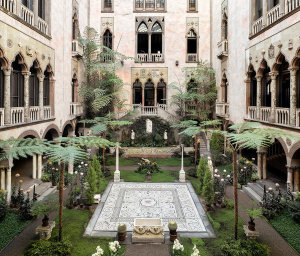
268,235
134,167
147,250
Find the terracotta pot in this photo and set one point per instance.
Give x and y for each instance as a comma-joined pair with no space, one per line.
122,236
251,226
173,236
91,208
45,221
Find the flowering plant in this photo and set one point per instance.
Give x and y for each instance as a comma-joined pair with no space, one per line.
195,251
177,248
99,251
146,166
114,248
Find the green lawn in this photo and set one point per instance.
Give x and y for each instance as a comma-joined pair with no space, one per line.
10,227
110,161
223,223
288,228
74,223
164,176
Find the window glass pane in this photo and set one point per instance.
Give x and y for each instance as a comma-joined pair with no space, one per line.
107,3
160,3
149,3
139,4
156,27
192,5
142,28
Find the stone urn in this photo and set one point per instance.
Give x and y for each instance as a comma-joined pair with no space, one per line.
173,230
122,231
251,225
45,221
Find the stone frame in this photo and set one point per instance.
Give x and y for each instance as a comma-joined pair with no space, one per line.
107,11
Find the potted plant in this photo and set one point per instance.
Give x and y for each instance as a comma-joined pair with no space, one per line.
45,207
253,214
173,230
254,177
122,232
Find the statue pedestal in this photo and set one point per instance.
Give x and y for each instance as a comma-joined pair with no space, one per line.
148,231
182,176
45,232
250,234
117,176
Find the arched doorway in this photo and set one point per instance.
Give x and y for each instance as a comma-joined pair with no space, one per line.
149,93
295,163
68,131
51,134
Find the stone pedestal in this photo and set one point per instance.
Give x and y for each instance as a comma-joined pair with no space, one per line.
97,199
250,234
117,176
148,231
182,176
45,232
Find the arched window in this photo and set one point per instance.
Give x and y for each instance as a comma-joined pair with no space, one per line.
17,85
1,87
161,92
137,92
75,30
34,86
192,48
224,28
143,40
156,38
46,88
283,81
149,93
224,86
107,39
253,89
266,88
28,4
150,4
74,88
192,5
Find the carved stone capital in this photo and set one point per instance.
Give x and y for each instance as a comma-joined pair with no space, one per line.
273,75
41,78
293,71
7,71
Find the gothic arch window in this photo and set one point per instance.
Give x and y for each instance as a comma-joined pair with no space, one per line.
143,38
46,89
34,85
192,46
161,92
156,38
108,39
253,88
224,86
17,84
283,82
137,96
266,88
74,88
192,5
1,86
149,93
41,9
224,27
75,27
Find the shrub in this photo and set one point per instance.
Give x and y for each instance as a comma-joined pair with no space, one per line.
45,207
97,167
294,208
202,168
46,177
217,142
3,205
208,188
244,248
48,248
91,179
25,210
218,157
146,165
229,203
192,172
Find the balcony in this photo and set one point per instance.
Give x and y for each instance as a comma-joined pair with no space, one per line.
77,49
1,117
27,15
76,109
273,15
42,25
222,49
17,115
222,110
34,113
47,112
283,116
150,58
257,26
192,57
9,5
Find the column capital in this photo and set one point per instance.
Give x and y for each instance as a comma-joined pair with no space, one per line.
258,78
7,71
273,75
26,74
41,78
293,70
291,168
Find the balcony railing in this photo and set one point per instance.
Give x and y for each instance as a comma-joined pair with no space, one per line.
1,117
283,116
105,57
155,57
192,57
222,109
149,111
47,112
27,15
42,25
298,117
34,113
257,25
9,5
76,109
265,114
252,112
291,5
163,106
17,115
273,15
222,49
77,49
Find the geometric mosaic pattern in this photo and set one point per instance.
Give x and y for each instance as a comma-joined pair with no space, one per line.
167,201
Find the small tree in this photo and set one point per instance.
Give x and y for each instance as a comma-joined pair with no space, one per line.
208,188
91,179
97,167
202,167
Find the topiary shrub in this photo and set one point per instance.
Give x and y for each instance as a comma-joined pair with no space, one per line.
202,168
91,179
217,142
208,189
97,167
48,248
244,248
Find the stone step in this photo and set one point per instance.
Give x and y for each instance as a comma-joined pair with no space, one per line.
257,188
252,194
43,189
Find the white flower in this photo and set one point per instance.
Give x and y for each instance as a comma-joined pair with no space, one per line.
82,162
79,166
99,252
85,165
228,176
277,185
222,180
216,170
177,246
195,251
270,189
224,171
114,246
81,173
76,172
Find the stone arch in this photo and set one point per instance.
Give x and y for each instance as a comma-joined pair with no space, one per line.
284,146
278,61
67,127
295,63
294,149
31,133
21,61
36,64
4,61
262,67
53,127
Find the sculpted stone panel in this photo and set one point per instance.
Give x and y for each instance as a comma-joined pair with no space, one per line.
192,23
107,23
155,74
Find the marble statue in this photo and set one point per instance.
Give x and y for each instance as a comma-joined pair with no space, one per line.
165,135
132,135
148,126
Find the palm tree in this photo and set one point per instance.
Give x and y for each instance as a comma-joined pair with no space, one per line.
247,135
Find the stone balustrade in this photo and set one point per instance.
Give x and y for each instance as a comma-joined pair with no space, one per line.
142,57
77,49
34,113
27,15
222,109
155,57
282,116
9,5
291,5
257,25
265,114
273,14
1,117
47,112
222,49
149,111
192,57
163,106
42,25
252,112
76,109
17,115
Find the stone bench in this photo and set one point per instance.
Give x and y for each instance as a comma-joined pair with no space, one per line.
148,231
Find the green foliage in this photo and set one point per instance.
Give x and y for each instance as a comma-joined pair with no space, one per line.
49,248
46,206
229,203
208,188
217,142
3,205
294,208
10,227
146,166
244,248
91,190
97,167
254,213
25,210
46,177
201,171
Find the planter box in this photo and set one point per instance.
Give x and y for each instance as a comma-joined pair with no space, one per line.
148,231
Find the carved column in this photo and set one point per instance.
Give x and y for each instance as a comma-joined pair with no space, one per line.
290,178
265,12
248,93
39,166
52,98
34,166
282,7
293,96
182,172
36,12
273,96
7,110
149,48
3,179
258,97
155,95
117,171
8,183
143,95
41,96
297,179
264,165
26,76
259,165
